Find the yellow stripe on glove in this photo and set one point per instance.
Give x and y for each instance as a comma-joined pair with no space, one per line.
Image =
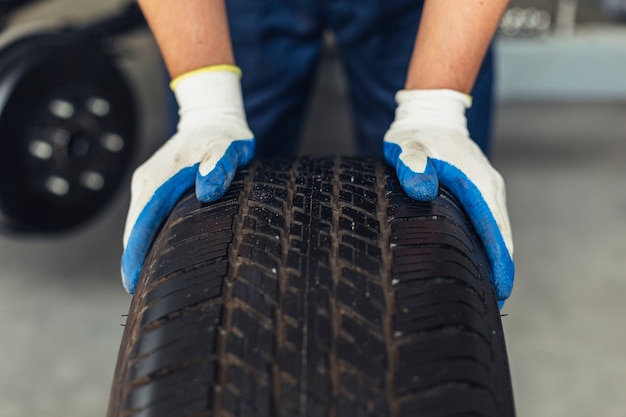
212,68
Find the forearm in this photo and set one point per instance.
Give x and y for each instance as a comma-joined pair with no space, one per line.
451,43
191,34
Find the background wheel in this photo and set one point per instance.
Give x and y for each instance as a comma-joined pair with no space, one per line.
315,287
67,131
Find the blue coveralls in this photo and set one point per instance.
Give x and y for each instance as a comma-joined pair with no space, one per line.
278,43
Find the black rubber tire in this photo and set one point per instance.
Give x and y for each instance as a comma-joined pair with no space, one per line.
37,69
315,287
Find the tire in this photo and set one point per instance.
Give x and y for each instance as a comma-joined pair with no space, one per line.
315,287
68,128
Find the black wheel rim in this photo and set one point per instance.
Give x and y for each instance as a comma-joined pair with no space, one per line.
67,124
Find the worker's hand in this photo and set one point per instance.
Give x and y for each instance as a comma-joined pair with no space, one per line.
429,145
212,141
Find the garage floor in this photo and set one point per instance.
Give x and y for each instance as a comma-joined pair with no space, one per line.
61,299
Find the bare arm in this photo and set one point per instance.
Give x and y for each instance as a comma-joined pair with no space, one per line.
191,34
452,40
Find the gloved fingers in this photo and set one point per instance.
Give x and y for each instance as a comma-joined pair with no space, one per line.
217,169
415,172
144,228
487,212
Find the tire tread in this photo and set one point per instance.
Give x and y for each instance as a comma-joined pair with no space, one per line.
315,287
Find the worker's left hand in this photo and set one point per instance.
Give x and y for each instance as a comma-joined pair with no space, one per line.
429,145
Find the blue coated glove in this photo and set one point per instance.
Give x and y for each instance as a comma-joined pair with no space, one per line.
212,141
429,145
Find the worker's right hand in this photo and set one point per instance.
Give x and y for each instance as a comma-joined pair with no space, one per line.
212,141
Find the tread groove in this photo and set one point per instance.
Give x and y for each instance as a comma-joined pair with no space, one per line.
283,282
386,282
227,294
335,268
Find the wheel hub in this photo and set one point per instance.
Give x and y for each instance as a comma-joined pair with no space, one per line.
67,127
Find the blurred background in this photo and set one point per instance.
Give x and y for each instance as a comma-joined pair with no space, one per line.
559,141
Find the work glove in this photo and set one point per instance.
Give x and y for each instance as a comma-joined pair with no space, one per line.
429,145
213,139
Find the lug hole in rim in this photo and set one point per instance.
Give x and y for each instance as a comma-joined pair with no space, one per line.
92,180
112,142
40,149
62,109
56,185
97,106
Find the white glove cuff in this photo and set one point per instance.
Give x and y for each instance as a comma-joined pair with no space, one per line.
432,108
203,95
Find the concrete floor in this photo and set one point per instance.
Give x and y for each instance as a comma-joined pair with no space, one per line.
61,298
565,166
